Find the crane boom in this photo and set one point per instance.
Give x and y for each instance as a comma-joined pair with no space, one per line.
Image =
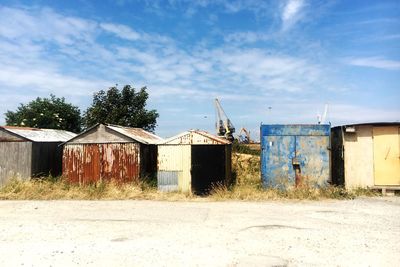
223,125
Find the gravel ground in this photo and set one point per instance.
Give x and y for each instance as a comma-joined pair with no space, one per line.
361,232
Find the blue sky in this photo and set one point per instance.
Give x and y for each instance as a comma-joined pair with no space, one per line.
267,61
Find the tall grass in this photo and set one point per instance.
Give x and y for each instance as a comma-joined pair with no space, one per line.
247,186
51,189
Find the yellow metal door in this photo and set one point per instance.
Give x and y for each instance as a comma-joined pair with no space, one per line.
387,155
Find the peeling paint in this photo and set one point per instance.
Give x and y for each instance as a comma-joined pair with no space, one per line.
295,155
91,163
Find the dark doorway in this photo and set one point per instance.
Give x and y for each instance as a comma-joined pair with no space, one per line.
208,167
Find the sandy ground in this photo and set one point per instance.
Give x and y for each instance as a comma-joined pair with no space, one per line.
362,232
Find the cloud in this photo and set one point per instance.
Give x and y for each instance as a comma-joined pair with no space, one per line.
292,13
78,63
247,37
374,62
44,25
43,51
47,81
121,31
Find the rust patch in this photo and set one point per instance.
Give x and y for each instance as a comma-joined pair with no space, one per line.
92,163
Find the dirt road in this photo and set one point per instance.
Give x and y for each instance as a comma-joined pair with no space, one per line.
362,232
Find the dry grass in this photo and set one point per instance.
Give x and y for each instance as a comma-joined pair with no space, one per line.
51,189
247,187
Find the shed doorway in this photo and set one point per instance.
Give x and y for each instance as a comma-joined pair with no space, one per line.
386,155
208,167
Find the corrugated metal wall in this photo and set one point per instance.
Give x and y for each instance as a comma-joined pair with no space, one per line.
15,160
173,172
90,163
295,155
193,167
193,138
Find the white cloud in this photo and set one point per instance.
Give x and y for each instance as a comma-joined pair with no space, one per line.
291,13
374,62
47,81
122,31
44,25
42,52
247,37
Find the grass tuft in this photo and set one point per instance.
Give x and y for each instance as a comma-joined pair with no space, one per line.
247,187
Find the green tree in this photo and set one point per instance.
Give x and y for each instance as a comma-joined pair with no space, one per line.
126,108
47,113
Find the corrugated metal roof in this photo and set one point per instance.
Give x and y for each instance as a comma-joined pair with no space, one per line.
137,134
40,135
189,137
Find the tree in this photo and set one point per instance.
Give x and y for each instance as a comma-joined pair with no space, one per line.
47,113
126,108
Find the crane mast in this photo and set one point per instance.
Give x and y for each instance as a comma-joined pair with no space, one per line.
223,125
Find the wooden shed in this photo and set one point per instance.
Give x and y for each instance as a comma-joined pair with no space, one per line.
110,153
366,155
29,152
193,161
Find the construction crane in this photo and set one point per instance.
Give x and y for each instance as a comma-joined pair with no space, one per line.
244,136
223,125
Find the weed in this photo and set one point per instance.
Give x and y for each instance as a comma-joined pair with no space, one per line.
248,187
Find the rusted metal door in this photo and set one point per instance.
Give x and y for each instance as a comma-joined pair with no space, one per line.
92,163
119,162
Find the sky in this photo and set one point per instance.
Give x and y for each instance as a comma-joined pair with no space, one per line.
266,61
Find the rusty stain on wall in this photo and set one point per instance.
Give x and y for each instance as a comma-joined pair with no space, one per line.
92,163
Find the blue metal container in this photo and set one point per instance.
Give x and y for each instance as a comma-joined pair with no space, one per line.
295,155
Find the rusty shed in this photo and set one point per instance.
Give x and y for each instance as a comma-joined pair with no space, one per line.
110,152
295,155
29,152
193,161
366,155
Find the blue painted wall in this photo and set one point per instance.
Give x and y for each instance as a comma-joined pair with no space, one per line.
286,147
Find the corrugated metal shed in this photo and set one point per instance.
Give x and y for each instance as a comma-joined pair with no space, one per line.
295,155
39,135
110,152
196,137
137,134
28,152
366,155
193,161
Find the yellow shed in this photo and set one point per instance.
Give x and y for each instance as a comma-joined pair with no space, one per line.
366,155
193,161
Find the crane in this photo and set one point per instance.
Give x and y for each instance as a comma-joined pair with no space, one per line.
223,125
244,136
